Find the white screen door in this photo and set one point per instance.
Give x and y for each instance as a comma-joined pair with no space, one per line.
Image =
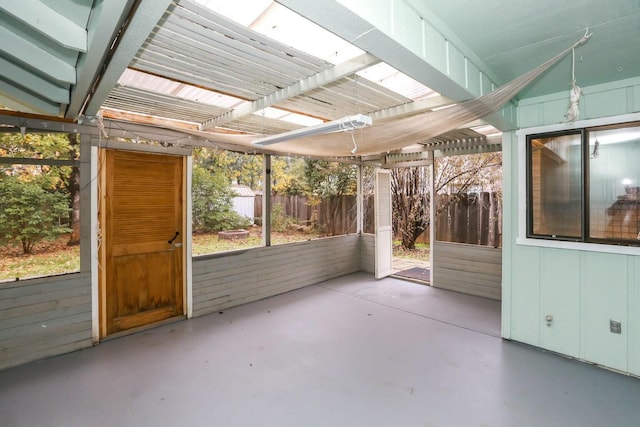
383,224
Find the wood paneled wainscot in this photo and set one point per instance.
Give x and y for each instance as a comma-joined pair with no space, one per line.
469,269
225,280
44,317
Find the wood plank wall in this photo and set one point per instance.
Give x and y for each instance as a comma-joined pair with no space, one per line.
44,317
227,280
368,253
50,316
470,269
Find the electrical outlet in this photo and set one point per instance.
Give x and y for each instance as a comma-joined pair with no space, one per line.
615,326
549,319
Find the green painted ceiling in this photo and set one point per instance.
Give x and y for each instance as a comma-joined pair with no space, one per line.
512,37
58,58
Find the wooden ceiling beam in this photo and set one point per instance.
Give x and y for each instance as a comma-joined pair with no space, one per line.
317,80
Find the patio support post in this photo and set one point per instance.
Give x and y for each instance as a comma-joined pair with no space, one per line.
266,200
359,201
432,212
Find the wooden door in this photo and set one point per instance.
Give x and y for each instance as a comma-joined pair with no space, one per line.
383,225
142,226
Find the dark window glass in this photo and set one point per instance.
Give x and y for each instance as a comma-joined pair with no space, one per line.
614,184
555,186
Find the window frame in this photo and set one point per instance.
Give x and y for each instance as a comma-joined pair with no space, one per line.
52,162
583,128
529,184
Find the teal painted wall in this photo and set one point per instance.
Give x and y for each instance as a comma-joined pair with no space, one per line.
581,288
418,32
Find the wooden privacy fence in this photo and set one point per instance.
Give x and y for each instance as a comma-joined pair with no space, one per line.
474,218
335,215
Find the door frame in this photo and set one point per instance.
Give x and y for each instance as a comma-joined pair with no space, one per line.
383,265
429,162
97,177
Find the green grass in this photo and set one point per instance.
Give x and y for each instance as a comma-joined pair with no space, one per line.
49,258
421,252
55,257
210,243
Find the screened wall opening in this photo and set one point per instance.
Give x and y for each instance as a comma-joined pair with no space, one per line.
585,185
311,199
39,205
224,187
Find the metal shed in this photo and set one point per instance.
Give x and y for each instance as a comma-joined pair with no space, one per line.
244,201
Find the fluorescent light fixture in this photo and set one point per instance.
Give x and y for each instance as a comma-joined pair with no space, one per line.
345,124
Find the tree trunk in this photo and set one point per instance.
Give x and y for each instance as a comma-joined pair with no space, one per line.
410,201
27,246
74,190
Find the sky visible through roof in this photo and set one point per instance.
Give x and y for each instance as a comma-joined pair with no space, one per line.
281,24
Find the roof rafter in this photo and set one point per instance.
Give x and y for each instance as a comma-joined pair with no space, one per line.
414,107
317,80
33,82
18,99
106,20
147,15
48,22
37,57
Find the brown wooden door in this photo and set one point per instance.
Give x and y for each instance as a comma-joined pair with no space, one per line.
141,214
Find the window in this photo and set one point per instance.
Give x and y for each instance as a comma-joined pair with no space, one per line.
225,187
39,205
584,185
311,199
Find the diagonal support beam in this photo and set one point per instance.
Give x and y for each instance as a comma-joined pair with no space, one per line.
106,20
48,22
407,37
317,80
147,15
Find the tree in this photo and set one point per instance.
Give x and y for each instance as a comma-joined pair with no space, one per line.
330,181
236,168
62,178
212,203
73,185
454,175
287,175
410,203
29,213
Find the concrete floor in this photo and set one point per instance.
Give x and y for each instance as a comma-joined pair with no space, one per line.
349,352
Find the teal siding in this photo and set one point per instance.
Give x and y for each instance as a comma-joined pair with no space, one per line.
583,288
608,100
560,277
605,298
456,65
525,295
605,103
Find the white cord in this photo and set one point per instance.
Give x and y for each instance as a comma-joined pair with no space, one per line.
573,113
